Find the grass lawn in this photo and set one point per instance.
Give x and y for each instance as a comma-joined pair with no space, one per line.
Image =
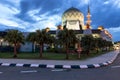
49,56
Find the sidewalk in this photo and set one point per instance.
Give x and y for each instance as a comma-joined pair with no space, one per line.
99,61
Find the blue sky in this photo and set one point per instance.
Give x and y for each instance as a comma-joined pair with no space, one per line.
29,15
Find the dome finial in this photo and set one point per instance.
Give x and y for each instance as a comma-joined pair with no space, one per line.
88,6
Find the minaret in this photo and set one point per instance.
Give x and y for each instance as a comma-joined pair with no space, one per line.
88,17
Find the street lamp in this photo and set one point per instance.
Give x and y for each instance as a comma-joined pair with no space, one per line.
79,47
119,47
1,40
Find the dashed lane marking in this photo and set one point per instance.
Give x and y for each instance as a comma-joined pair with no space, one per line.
116,66
58,70
1,72
29,71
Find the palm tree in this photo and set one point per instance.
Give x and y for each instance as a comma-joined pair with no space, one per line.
32,38
67,37
43,37
40,40
109,44
50,39
104,45
14,37
87,42
98,43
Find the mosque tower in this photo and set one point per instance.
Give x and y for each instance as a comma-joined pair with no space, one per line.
88,17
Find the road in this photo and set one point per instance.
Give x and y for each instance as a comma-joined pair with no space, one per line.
111,72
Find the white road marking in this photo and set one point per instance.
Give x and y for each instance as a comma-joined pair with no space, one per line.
5,64
19,65
1,72
116,66
58,70
29,71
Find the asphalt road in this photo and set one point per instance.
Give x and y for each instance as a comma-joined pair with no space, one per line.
111,72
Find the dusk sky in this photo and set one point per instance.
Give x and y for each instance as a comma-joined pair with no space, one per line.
30,15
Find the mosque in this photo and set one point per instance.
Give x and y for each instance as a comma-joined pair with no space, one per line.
73,19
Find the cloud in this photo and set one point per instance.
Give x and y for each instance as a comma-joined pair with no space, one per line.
14,3
116,3
105,14
85,1
45,5
25,17
29,10
38,14
114,29
106,2
5,10
7,16
50,21
42,7
8,22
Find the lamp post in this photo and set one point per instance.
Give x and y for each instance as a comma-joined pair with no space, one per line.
79,49
119,47
1,42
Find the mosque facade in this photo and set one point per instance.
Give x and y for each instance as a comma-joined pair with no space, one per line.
73,19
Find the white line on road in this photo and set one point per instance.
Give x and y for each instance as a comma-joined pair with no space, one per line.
115,66
29,71
1,72
58,70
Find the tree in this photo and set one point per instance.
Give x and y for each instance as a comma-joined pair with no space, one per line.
67,37
43,37
97,44
87,42
32,38
104,45
100,43
109,44
50,39
40,37
14,37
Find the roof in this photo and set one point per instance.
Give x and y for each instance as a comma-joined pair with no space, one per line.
72,9
94,31
2,33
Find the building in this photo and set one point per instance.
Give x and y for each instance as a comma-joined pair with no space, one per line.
73,19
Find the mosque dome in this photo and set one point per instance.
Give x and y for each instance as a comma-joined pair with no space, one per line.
71,16
72,9
72,13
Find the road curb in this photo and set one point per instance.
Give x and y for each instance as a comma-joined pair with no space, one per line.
57,66
60,66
